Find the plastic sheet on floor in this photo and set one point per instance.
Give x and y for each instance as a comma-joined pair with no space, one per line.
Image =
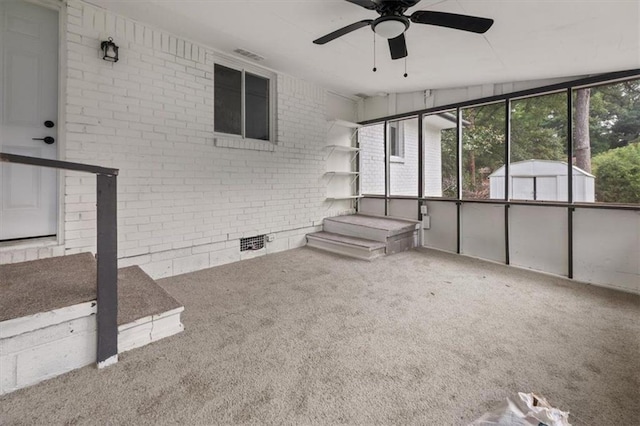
525,409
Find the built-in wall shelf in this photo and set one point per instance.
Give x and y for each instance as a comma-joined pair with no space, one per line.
345,123
342,173
343,148
346,197
342,161
333,174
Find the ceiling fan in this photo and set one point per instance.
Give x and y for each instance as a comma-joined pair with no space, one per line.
392,23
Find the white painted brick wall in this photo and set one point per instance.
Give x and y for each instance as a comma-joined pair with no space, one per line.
185,197
432,160
371,140
403,175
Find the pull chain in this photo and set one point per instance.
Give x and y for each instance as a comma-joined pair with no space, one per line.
405,67
374,52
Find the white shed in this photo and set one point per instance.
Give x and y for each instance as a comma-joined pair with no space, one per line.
542,180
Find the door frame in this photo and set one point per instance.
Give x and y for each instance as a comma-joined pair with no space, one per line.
59,6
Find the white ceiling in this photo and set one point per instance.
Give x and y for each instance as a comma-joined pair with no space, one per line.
530,40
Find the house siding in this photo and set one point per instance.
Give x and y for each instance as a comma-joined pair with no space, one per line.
185,196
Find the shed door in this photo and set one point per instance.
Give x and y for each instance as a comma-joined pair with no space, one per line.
547,188
28,99
522,188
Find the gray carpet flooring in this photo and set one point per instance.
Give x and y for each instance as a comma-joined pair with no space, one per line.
304,337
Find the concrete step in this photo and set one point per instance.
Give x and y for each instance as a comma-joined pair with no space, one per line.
48,316
359,248
374,228
37,286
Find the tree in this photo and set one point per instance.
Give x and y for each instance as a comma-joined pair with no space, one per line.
581,140
617,174
482,147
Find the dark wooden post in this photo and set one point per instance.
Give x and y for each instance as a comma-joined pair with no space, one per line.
107,244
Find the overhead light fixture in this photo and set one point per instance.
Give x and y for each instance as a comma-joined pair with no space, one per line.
109,50
390,26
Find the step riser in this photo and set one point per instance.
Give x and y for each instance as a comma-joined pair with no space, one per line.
345,249
402,242
46,345
364,231
49,344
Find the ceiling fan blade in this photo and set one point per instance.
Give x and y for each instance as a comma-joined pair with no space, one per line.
473,24
342,31
367,4
398,47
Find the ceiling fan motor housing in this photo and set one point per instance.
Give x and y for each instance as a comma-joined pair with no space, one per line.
390,26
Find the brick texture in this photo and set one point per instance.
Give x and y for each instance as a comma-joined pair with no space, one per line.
185,196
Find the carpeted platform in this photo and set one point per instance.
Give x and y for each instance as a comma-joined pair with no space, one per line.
393,225
28,288
140,296
305,337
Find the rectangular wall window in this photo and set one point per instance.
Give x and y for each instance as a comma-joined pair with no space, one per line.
606,143
241,103
403,157
440,147
483,136
538,169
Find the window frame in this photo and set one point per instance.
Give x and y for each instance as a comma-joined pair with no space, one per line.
244,68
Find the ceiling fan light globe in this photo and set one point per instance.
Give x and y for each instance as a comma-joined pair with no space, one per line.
390,28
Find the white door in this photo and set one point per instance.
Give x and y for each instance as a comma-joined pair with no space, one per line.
29,103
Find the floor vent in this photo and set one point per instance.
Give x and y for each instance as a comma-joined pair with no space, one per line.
252,243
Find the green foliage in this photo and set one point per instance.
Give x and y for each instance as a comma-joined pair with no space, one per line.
617,174
539,128
482,147
449,153
614,115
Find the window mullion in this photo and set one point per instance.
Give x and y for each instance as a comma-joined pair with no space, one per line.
243,104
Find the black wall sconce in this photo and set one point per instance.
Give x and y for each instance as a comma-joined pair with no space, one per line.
109,50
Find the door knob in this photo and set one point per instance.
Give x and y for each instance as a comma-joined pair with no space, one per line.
49,124
47,139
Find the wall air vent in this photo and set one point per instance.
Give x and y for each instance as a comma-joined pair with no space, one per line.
252,243
250,55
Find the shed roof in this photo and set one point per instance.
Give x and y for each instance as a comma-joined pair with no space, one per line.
539,168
